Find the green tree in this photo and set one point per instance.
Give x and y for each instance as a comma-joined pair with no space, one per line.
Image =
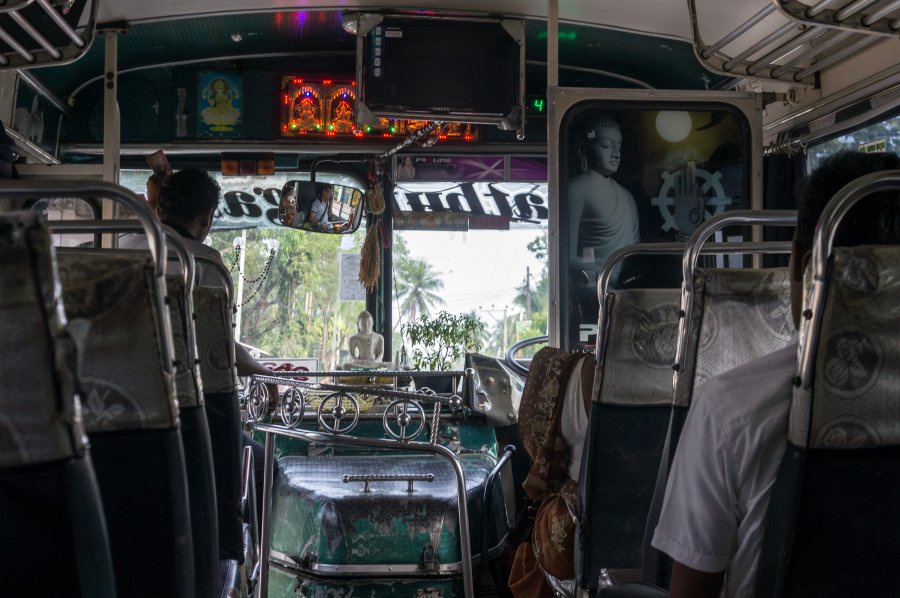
417,287
290,309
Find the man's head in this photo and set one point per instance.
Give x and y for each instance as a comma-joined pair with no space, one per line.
860,226
602,146
189,199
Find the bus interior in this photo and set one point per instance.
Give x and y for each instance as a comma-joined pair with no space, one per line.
413,199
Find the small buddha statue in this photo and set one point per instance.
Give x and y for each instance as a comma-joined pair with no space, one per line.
366,347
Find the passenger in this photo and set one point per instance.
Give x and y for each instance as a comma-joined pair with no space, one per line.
552,422
187,203
733,441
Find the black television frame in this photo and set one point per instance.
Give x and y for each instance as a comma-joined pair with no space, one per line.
515,120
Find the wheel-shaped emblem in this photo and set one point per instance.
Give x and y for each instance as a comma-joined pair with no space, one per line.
338,413
257,402
689,196
402,413
293,402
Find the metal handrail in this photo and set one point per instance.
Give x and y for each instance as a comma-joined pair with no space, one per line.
20,56
452,400
780,218
823,244
669,249
81,189
332,439
849,16
843,23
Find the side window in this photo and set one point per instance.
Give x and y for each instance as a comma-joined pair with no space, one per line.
67,209
882,136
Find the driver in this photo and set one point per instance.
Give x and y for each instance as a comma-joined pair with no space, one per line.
318,211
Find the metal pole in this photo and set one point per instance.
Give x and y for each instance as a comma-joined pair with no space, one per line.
266,516
111,140
240,284
552,43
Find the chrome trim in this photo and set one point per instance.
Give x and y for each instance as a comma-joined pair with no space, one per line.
452,401
264,532
404,416
823,244
330,439
292,564
784,218
368,478
508,451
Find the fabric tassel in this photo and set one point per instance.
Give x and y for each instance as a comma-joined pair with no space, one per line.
370,259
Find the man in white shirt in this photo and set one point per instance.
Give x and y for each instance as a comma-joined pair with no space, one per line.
187,202
734,437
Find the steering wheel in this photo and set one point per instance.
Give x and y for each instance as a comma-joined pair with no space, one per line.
516,365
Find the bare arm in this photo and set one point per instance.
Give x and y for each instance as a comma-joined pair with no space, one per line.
247,366
691,583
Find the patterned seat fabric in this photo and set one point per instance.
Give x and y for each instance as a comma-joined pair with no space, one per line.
832,524
627,429
188,386
53,519
738,316
214,340
853,402
642,330
124,385
38,412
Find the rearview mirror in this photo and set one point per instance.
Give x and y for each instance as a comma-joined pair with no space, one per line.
320,207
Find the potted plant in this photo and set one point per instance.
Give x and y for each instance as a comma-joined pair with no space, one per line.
441,342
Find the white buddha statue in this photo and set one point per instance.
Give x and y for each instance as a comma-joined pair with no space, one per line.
366,347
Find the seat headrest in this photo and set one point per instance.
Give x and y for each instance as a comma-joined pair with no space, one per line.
38,413
122,371
738,316
640,333
853,401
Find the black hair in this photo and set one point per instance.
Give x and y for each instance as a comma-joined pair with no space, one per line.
187,194
873,221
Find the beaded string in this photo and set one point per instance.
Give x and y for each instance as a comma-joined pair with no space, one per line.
237,256
259,279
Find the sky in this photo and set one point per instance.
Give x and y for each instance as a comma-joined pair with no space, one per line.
479,268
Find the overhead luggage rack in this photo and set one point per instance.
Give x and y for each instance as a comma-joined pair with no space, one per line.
790,41
45,32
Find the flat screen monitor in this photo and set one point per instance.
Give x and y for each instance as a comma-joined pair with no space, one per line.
438,68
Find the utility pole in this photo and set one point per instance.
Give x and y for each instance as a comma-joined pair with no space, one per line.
528,292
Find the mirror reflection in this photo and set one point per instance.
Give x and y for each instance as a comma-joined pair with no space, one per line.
320,207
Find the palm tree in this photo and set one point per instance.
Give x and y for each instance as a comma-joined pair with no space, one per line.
416,286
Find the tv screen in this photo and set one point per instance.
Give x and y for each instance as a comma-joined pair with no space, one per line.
436,67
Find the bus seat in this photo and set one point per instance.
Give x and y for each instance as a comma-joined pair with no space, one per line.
215,349
629,418
195,438
738,315
131,417
833,527
54,534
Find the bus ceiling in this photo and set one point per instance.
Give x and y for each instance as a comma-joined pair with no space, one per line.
808,58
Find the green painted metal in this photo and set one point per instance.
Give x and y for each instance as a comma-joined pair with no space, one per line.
283,584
